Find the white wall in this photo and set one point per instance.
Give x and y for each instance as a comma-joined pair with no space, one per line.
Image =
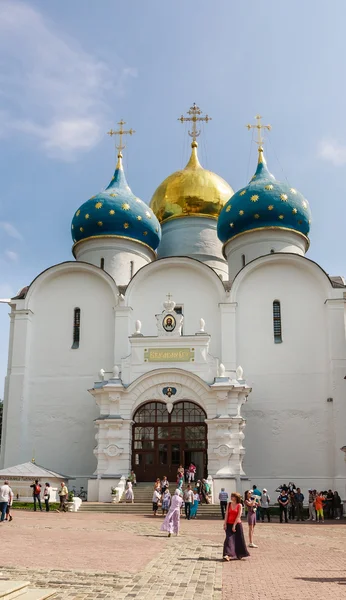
289,431
191,284
52,412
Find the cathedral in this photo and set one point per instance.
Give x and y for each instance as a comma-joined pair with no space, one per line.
192,329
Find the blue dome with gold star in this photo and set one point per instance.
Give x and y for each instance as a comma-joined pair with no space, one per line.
116,212
264,203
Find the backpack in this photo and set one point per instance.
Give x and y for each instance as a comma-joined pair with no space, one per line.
37,490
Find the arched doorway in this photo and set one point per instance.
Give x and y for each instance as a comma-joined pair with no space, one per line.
161,441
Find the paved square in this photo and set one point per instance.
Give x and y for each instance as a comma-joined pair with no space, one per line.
106,556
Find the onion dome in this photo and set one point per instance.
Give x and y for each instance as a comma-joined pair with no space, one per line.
116,212
193,192
264,203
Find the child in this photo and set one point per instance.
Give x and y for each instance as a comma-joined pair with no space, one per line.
319,507
166,501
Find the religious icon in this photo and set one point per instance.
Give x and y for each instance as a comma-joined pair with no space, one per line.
169,323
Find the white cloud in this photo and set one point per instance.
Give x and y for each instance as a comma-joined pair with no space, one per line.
13,256
332,151
11,230
52,90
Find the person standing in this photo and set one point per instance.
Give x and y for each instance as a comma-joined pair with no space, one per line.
265,501
251,503
223,498
129,495
9,507
156,500
194,507
164,484
46,495
234,545
192,472
299,500
319,507
337,506
172,519
5,494
166,501
329,505
132,477
283,503
188,499
36,493
312,512
256,492
63,493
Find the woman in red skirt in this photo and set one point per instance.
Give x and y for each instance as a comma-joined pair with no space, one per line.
234,546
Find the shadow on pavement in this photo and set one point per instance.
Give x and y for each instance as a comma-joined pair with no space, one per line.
339,580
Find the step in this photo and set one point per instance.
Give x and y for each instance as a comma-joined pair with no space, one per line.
37,594
12,589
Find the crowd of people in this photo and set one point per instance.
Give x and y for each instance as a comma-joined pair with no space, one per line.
7,496
195,493
321,505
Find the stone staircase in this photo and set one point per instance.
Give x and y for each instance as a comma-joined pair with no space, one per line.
21,591
142,505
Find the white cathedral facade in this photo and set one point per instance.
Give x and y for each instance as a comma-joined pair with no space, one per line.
213,337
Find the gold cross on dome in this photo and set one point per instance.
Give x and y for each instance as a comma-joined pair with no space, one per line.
194,117
120,133
259,127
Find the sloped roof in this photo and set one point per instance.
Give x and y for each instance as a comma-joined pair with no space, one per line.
30,469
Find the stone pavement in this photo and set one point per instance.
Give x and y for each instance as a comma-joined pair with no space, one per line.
86,556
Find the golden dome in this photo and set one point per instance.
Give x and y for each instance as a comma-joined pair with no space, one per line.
193,192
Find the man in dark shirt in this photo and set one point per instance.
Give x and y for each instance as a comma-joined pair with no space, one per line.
299,500
36,493
283,503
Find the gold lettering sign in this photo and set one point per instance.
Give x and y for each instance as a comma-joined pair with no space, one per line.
169,355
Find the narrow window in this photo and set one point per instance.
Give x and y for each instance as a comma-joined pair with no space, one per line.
277,322
102,263
131,269
243,261
76,328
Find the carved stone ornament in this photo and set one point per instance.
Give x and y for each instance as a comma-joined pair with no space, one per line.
169,323
169,407
223,450
169,391
113,450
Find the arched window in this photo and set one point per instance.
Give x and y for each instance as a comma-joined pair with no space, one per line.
102,263
243,260
76,328
131,268
277,322
272,251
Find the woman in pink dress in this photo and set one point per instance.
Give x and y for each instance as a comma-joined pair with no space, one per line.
172,519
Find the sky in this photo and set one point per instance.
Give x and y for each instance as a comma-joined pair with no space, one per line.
71,69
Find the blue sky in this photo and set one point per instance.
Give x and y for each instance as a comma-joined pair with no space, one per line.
70,70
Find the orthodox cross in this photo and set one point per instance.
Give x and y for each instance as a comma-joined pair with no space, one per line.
169,296
194,117
259,128
120,133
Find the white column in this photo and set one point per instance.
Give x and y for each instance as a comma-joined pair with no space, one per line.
337,355
15,443
123,329
228,335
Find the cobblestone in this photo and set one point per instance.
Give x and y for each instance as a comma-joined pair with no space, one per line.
87,556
